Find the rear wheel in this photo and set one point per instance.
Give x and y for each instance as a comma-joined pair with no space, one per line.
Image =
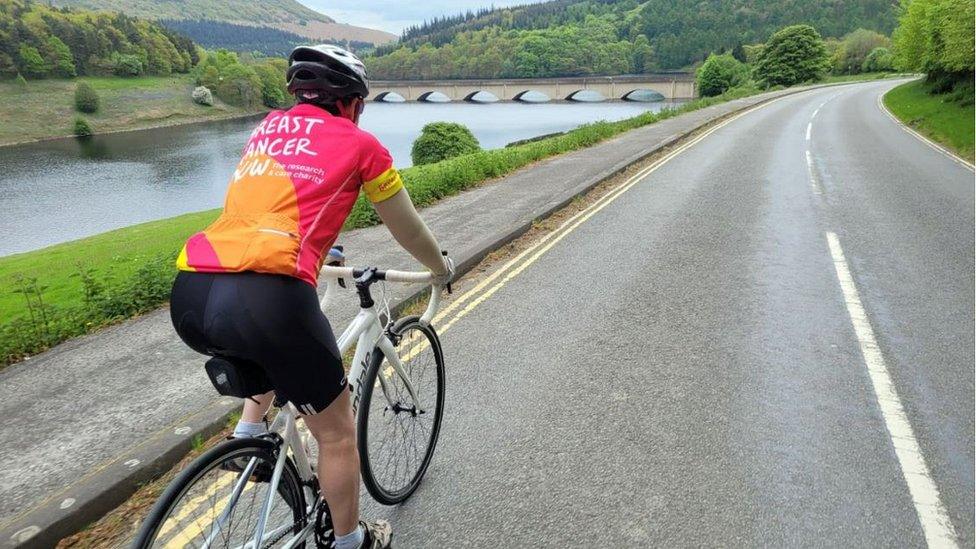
396,436
196,507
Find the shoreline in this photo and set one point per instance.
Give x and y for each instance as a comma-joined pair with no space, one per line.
156,126
153,126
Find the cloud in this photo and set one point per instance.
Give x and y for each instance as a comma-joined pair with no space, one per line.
395,15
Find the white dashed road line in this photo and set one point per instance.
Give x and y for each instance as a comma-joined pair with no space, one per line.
814,180
925,494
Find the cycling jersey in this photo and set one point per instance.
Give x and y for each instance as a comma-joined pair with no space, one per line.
300,174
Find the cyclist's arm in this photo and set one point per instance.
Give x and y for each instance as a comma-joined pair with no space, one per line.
384,188
403,221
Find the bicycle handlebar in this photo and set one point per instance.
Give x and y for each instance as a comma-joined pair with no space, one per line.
408,277
389,276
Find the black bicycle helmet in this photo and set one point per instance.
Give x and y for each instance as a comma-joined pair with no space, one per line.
328,70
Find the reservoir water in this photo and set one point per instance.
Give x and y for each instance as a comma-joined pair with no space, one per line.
60,190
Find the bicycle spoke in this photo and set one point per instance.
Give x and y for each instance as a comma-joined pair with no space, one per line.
220,508
400,434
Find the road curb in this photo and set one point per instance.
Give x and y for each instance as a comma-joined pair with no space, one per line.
921,137
111,483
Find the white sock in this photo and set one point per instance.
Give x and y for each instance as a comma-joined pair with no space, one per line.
246,429
352,540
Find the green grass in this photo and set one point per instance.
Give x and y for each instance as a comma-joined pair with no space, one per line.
939,117
115,255
45,108
66,290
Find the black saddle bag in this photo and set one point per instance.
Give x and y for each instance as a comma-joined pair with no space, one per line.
237,378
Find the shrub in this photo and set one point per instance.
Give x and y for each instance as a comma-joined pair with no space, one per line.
127,65
82,128
86,99
719,73
879,60
793,55
202,96
442,140
240,86
20,80
853,51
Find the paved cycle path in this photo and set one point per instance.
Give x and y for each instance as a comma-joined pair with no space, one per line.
97,409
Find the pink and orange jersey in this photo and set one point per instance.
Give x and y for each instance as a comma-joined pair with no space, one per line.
296,183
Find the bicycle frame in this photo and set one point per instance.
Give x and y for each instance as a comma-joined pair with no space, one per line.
367,333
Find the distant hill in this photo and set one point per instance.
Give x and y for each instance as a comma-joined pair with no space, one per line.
285,15
245,38
546,36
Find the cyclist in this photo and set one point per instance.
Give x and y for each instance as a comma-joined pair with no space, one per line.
246,287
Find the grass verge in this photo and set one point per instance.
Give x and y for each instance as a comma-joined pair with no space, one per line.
940,117
44,109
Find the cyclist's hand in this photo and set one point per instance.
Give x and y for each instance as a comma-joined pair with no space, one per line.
445,278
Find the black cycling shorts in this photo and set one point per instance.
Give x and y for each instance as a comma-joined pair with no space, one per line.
272,321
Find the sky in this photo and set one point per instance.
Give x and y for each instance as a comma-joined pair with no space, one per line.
395,15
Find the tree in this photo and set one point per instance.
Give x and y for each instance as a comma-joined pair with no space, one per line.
643,55
274,88
60,58
7,66
239,85
936,37
753,51
209,77
854,49
879,60
51,41
792,55
31,62
441,140
739,53
86,99
719,73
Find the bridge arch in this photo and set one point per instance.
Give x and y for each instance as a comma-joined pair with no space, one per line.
390,97
434,96
531,96
481,96
643,95
585,95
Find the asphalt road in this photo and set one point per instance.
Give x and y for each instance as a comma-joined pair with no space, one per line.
685,367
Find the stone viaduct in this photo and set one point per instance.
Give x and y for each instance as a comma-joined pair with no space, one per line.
670,86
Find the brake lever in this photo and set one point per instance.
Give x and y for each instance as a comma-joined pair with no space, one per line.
340,249
342,281
448,285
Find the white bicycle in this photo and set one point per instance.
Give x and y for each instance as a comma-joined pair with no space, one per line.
262,492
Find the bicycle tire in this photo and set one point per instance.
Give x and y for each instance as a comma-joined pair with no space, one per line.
388,495
290,486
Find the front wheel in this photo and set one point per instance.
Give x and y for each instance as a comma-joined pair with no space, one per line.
396,435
